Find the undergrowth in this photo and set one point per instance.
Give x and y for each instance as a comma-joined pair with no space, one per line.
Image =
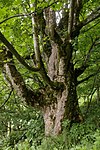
84,136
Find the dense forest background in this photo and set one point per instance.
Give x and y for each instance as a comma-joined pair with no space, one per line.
49,74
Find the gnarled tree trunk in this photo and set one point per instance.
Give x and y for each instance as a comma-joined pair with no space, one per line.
55,104
66,104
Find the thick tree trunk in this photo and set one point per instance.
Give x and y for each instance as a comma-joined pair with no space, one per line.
56,104
66,106
54,114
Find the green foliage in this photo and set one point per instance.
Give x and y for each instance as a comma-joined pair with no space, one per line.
26,127
82,136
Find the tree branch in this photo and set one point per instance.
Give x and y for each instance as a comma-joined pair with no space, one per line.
87,78
16,16
29,96
28,14
35,19
7,99
83,31
78,7
79,71
53,85
94,15
22,61
71,17
89,52
50,22
35,35
16,54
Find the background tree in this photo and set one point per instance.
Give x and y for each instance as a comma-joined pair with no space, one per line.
55,41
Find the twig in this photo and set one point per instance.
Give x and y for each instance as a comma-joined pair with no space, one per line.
6,99
91,94
17,55
17,15
90,50
82,68
28,14
94,15
85,79
90,27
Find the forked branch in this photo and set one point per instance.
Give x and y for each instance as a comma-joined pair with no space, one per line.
79,71
90,50
94,15
91,17
87,78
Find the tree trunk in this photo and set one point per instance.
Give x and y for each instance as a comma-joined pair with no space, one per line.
54,114
66,105
56,104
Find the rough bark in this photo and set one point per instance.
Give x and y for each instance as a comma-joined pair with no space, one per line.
17,82
54,114
66,104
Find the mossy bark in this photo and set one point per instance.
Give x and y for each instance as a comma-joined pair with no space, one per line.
66,104
65,107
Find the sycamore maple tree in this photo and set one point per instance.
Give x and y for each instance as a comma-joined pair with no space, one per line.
55,40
